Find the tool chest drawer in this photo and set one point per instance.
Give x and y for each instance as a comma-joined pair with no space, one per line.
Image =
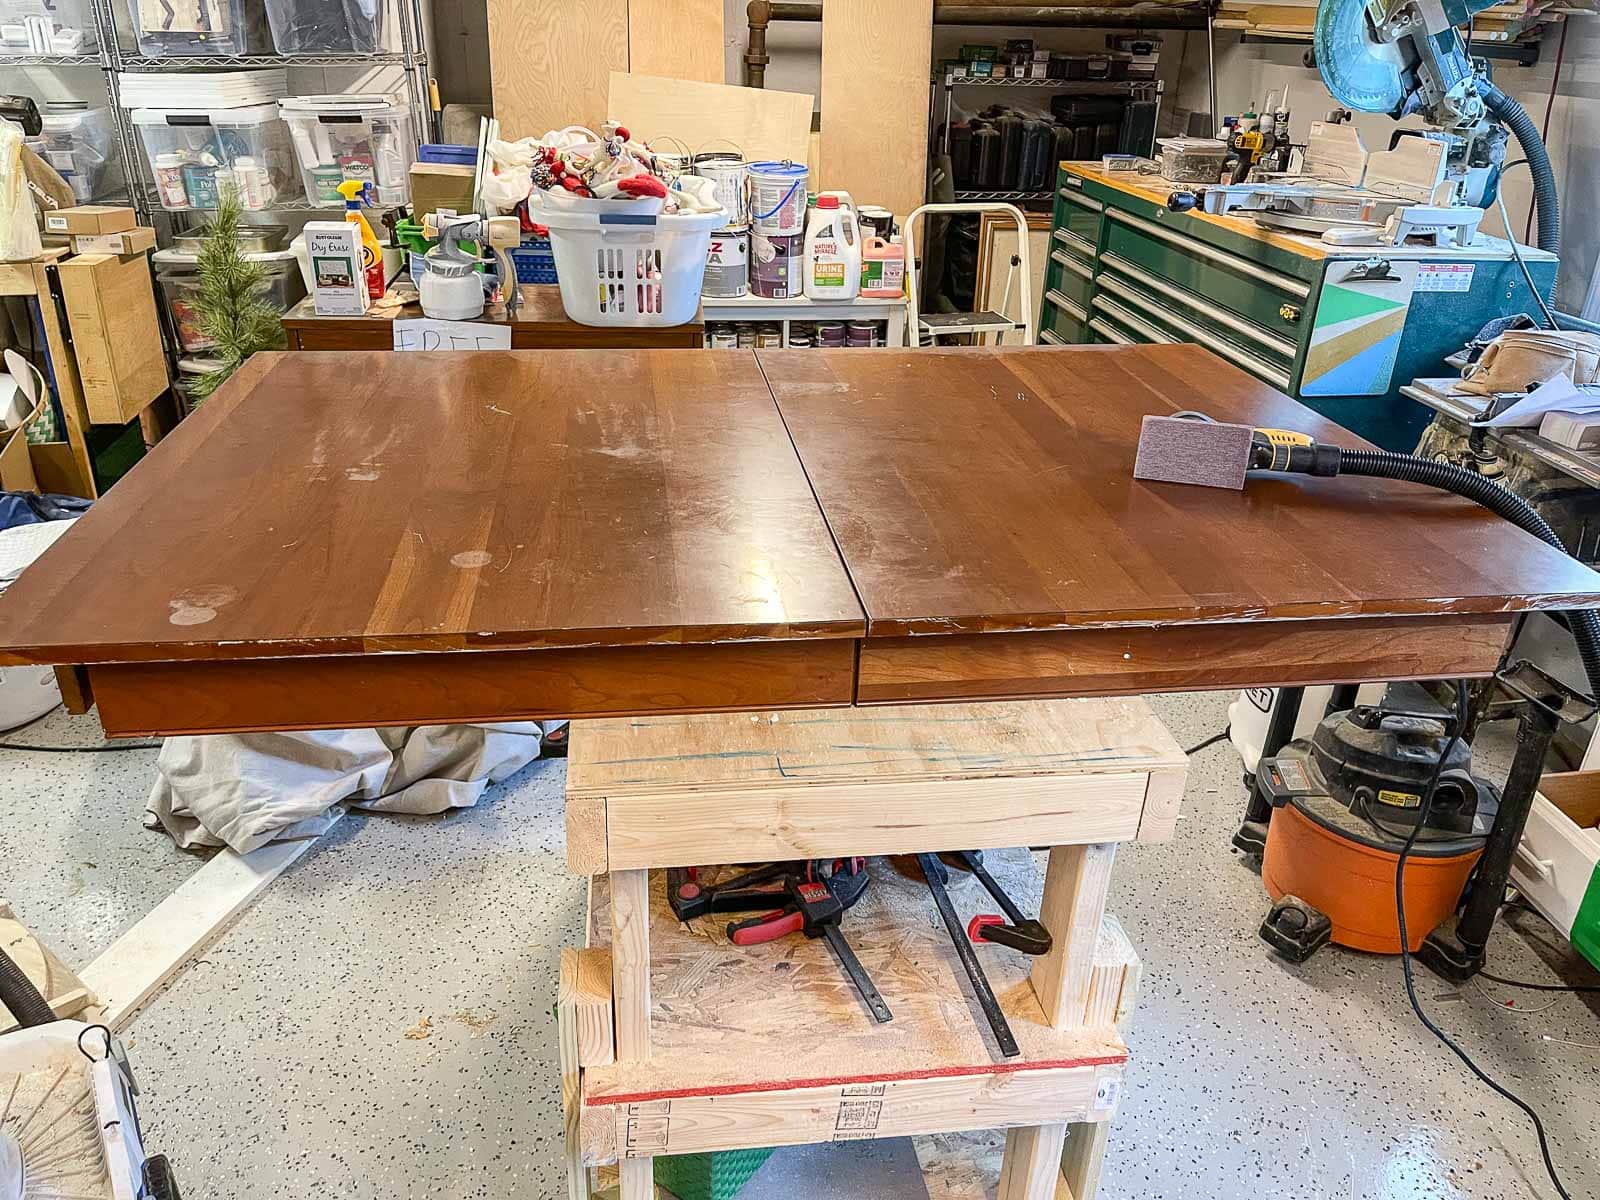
1076,210
1065,320
1068,272
1274,301
1192,318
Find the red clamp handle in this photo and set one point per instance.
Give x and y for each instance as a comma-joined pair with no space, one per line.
766,928
976,926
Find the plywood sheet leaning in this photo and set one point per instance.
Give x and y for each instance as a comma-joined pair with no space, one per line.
763,124
57,982
875,63
549,61
678,39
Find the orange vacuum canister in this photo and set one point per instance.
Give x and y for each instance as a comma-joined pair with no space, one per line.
1343,804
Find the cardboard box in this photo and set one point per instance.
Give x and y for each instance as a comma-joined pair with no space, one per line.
436,186
338,284
90,218
116,336
128,241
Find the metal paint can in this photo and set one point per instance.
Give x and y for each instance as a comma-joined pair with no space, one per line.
778,198
874,221
727,264
727,170
775,265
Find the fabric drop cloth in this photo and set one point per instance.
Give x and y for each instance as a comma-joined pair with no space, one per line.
245,790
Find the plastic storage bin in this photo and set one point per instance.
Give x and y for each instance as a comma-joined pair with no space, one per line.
195,153
47,27
79,142
620,263
215,27
178,276
365,137
326,26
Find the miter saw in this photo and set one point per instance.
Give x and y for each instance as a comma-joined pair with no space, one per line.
1405,57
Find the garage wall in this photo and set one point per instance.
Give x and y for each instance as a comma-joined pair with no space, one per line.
1247,73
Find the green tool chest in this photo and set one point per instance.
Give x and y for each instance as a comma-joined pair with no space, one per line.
1339,328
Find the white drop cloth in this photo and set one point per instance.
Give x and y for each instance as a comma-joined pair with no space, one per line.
244,790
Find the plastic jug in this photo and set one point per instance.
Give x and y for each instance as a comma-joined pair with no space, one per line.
832,252
883,268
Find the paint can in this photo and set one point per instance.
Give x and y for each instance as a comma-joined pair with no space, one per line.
778,198
831,334
874,221
721,337
727,170
775,266
727,264
861,333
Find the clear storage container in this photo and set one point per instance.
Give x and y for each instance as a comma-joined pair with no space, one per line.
365,137
78,141
326,26
195,153
174,28
178,276
47,27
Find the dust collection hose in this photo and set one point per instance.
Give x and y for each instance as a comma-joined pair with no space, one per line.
19,995
1546,198
1317,458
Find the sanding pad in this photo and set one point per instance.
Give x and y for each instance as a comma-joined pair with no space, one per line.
1209,453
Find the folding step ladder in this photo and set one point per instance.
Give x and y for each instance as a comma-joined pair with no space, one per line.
934,326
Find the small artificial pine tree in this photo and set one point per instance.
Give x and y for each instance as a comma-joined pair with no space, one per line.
229,306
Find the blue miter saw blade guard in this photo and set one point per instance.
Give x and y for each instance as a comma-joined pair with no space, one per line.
1361,74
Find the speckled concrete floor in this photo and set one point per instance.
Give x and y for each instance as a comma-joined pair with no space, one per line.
282,1063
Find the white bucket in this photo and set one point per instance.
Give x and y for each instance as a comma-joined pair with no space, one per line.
778,198
622,267
727,171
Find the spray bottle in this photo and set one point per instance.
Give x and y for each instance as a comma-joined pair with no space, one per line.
353,191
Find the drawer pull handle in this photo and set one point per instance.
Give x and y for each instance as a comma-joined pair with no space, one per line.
1541,868
1071,264
1067,306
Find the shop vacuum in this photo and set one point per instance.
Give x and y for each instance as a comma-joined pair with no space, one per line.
1344,803
68,1127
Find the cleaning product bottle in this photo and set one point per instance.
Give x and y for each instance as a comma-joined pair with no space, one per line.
832,252
883,268
353,191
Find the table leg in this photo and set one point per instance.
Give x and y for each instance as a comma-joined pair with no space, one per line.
630,962
1085,1151
1074,904
1032,1164
637,1176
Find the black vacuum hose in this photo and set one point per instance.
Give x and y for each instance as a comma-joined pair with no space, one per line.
1583,623
1546,197
19,995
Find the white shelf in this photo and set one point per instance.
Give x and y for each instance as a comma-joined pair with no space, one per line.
798,308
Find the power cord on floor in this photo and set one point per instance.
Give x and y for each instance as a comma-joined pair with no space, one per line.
1542,987
1210,741
103,749
1405,952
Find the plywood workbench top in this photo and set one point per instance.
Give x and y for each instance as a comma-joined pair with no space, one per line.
681,531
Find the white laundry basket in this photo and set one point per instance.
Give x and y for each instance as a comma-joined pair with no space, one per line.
619,263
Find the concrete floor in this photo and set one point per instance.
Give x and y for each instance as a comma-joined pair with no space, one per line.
281,1062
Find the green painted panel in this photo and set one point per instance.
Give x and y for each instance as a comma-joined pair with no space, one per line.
1341,304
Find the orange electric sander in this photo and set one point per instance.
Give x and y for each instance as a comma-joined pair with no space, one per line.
1345,801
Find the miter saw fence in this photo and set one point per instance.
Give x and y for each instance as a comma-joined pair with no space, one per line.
1404,57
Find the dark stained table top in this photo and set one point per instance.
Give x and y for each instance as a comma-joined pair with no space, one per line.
328,504
981,490
335,503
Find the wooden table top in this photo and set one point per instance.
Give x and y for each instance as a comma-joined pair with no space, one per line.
979,490
691,531
338,503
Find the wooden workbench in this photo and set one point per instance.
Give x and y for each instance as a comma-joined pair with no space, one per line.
541,324
414,539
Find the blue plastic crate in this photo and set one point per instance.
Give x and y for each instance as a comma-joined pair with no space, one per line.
443,152
535,262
